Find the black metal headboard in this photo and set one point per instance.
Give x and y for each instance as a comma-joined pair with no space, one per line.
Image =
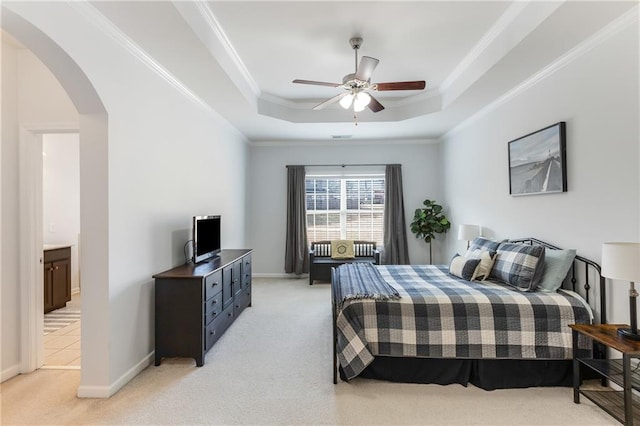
579,263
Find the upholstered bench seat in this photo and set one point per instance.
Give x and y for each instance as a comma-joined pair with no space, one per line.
321,262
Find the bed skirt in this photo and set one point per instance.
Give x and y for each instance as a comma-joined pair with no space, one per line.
488,374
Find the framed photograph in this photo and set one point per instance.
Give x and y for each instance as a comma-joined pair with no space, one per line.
538,162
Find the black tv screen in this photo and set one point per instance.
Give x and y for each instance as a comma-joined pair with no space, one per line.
206,237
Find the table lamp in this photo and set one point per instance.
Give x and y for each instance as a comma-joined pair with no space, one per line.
621,261
468,232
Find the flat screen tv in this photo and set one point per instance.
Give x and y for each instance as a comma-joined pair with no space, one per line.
206,237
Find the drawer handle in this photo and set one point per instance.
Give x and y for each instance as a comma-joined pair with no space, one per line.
56,268
229,314
214,301
212,333
214,284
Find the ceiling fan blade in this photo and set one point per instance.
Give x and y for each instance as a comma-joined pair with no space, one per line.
316,83
401,85
374,105
367,65
329,101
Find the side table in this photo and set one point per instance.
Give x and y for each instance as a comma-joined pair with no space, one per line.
622,405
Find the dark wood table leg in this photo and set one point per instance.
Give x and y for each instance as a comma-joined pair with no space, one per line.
628,403
576,369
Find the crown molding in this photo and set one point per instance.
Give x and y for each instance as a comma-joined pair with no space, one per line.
614,27
206,27
499,27
96,18
341,142
515,24
240,69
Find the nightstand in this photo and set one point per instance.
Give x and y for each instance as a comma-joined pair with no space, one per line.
622,405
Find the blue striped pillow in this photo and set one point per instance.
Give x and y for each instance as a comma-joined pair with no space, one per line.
519,265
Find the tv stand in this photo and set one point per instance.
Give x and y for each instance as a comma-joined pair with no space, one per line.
196,303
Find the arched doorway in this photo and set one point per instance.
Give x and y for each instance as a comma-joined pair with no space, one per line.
92,128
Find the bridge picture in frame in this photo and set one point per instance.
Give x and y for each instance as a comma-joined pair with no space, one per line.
537,162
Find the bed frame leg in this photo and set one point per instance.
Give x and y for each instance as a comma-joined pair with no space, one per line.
334,343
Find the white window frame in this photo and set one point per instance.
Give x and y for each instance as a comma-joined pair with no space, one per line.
343,211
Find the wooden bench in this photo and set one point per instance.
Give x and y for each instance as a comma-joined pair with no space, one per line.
321,262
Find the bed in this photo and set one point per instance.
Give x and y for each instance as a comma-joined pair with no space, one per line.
421,324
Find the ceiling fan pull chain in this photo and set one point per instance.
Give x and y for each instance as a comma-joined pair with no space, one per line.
355,118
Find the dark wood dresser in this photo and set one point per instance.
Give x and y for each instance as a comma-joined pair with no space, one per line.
195,304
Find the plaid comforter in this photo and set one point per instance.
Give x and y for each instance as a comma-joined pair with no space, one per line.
440,316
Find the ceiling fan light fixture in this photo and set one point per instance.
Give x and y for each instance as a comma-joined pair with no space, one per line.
358,107
360,101
345,102
358,83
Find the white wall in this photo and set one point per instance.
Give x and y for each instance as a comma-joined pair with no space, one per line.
61,195
41,97
9,273
597,96
421,177
166,159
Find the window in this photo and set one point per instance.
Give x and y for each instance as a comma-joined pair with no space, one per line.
345,207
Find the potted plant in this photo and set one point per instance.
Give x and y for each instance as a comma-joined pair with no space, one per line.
429,221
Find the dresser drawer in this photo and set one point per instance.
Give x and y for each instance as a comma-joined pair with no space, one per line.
212,308
213,284
246,277
217,327
246,266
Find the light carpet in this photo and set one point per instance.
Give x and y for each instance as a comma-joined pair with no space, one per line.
273,367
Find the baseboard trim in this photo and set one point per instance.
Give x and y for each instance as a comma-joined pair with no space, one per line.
279,275
93,392
108,391
9,373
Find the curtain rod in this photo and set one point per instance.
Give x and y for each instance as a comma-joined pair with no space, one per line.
340,165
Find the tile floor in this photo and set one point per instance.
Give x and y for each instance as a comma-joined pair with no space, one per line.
62,347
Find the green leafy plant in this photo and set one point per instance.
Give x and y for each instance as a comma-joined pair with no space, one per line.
429,221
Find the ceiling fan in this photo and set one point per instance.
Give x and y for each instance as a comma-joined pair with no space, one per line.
358,84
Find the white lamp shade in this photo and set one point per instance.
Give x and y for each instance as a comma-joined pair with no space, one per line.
621,261
345,102
361,100
468,232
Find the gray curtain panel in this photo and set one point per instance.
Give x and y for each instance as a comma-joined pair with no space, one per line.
296,255
396,251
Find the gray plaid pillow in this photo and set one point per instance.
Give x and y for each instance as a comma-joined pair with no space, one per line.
483,244
519,265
